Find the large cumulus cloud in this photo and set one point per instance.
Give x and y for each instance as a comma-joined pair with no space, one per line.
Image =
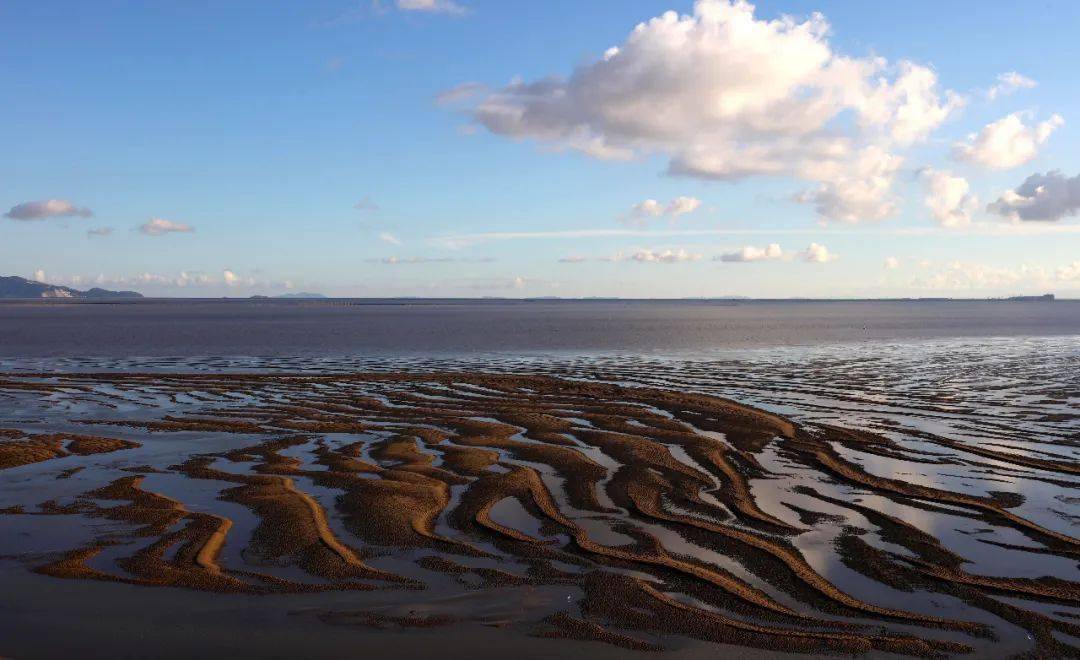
726,95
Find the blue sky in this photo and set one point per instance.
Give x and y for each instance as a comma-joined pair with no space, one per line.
233,148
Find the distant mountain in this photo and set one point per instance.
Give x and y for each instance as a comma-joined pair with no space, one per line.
301,294
20,287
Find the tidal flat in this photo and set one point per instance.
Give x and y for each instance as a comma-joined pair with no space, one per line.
599,509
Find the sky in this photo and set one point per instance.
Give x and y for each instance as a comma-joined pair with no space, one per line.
468,148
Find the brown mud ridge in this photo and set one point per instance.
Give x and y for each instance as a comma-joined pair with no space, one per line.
18,448
640,500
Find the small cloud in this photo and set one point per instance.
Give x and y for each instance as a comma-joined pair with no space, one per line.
1007,142
160,226
814,253
1068,273
574,259
432,6
1008,83
387,237
39,275
1048,197
817,254
519,282
772,252
891,263
100,232
366,204
50,208
230,278
948,198
664,256
681,206
651,208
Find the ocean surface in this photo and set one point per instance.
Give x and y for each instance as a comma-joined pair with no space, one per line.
974,398
470,327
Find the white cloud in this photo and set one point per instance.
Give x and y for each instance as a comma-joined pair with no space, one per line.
231,279
432,6
749,253
99,232
50,208
817,254
1069,273
1050,196
648,208
681,206
39,276
651,208
1008,83
184,279
1007,142
664,256
814,253
160,226
863,192
891,263
387,237
518,282
573,259
725,95
948,198
960,276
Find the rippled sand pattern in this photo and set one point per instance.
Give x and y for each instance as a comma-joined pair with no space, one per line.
664,514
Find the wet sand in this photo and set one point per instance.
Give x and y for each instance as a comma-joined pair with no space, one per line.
527,514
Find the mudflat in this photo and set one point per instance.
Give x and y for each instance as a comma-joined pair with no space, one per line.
487,514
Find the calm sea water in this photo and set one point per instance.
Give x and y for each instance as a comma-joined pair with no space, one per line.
459,328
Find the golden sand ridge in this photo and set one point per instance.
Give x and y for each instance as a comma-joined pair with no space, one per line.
645,500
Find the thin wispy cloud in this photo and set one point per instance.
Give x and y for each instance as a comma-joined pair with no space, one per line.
387,237
1008,83
364,9
99,232
998,229
366,204
460,93
161,227
412,261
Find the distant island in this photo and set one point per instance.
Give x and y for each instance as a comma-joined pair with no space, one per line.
20,287
302,295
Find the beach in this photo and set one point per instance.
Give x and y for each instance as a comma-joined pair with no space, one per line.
600,505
